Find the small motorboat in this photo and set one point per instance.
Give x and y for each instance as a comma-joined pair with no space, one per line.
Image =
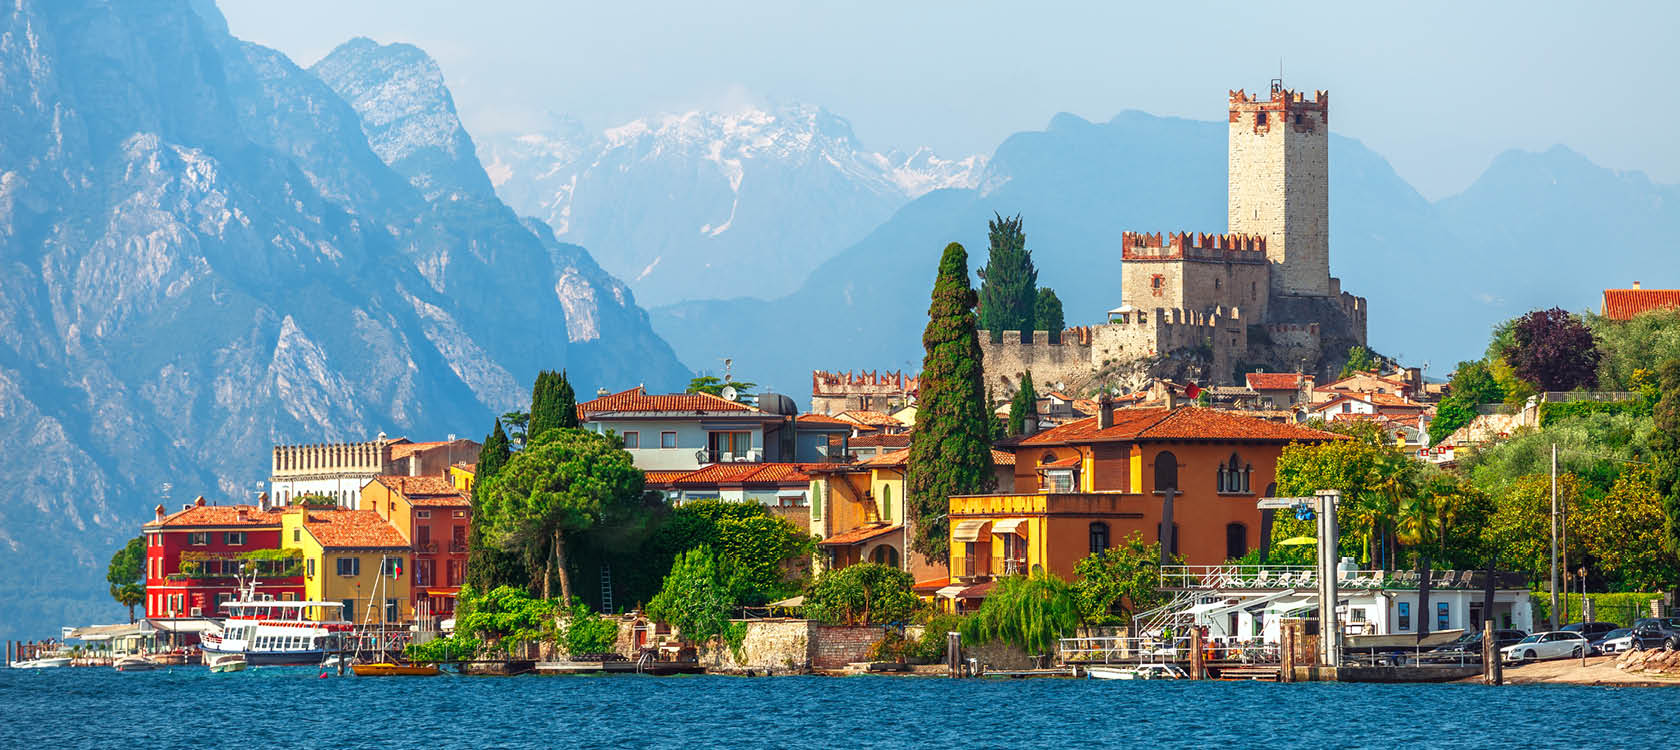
1139,672
387,669
51,662
136,663
335,661
227,663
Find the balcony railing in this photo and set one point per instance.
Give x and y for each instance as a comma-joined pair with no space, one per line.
457,548
426,548
1267,577
707,456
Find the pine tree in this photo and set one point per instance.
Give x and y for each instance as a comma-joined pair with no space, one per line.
1023,410
1047,314
1008,283
951,454
545,406
567,405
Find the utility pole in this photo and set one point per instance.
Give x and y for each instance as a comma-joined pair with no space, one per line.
1554,539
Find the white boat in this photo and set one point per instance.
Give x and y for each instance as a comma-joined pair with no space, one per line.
136,663
226,663
333,661
1138,672
50,662
265,631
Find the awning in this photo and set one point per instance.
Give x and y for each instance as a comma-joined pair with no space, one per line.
977,591
968,531
185,625
443,593
950,592
1008,526
790,493
858,535
107,632
1066,463
797,601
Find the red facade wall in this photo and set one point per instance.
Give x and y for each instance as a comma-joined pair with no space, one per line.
163,558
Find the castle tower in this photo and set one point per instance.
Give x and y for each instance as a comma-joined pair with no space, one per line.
1279,184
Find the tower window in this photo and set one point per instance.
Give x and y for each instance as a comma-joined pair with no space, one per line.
1297,119
1260,118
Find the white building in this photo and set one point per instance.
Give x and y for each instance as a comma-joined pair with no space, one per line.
340,470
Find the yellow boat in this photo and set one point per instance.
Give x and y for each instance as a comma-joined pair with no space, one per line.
387,669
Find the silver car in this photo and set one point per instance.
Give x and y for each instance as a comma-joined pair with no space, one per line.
1557,644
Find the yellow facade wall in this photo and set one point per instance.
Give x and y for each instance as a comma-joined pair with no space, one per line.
321,581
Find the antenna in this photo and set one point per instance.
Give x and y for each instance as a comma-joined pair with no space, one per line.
728,393
727,365
1277,83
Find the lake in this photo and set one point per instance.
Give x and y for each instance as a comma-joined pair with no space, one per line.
285,707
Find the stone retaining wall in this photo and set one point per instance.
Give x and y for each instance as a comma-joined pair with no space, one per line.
1650,662
835,646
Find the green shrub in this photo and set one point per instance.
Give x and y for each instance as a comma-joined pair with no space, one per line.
931,647
1552,413
1615,607
1029,613
864,594
893,646
589,633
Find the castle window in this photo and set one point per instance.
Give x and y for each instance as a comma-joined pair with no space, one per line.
1099,538
1260,118
1233,476
1216,283
1166,471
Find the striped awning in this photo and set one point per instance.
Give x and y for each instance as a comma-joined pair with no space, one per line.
1008,526
968,531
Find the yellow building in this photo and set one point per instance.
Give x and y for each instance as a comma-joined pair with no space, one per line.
463,475
344,553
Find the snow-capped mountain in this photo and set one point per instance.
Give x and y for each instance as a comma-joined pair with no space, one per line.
701,204
205,250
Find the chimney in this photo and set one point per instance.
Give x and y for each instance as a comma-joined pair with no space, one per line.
241,515
1635,285
262,500
159,511
198,502
1105,411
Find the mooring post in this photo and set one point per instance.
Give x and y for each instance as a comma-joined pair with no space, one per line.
953,653
1196,661
1286,654
1493,672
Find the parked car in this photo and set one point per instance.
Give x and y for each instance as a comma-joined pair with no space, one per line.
1620,639
1473,641
1592,630
1656,633
1552,645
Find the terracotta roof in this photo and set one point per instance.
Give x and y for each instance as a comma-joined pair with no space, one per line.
1361,374
870,418
931,585
1623,304
902,457
859,535
470,467
1065,463
427,491
734,474
218,515
1002,458
899,440
662,477
1385,400
1058,395
637,399
351,529
1275,381
404,450
1184,423
821,419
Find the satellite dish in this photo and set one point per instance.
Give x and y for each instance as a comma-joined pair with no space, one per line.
728,392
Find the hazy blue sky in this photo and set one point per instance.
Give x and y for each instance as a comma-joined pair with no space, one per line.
1438,88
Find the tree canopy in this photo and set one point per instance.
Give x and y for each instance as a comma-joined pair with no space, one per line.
760,548
1124,579
1031,613
695,596
127,574
1047,314
951,454
862,594
1665,452
1554,350
1360,359
1008,283
553,404
714,386
1023,410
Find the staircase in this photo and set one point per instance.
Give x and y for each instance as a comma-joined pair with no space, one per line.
1250,672
606,588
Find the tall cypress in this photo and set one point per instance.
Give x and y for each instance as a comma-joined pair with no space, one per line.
566,402
545,406
951,454
1047,314
493,454
489,566
1665,451
1008,283
1023,410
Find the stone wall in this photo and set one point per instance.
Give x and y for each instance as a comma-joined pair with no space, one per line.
1050,364
791,647
835,646
995,655
1279,184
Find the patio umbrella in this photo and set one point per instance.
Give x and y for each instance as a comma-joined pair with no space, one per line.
1296,541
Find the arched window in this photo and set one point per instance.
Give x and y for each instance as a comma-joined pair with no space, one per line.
1166,471
1234,475
1099,537
886,502
1236,540
886,555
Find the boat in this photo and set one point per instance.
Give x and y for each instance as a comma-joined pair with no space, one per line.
136,663
387,669
334,661
1139,672
226,663
51,662
266,631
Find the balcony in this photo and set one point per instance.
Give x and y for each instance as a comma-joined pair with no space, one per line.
457,548
707,456
425,548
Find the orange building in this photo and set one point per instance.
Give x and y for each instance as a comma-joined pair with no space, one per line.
433,515
1086,485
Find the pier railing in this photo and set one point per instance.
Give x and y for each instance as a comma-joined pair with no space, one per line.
1160,650
1280,577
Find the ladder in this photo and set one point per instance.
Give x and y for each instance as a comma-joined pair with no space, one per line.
606,588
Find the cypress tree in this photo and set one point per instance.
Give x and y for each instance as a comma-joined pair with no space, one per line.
951,454
1024,409
1665,451
1047,314
489,566
567,402
493,454
545,406
1008,283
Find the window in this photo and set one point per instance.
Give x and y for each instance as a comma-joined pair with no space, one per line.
1058,480
390,610
393,566
297,535
221,599
667,439
1260,118
233,538
1236,540
422,536
968,559
309,568
1166,471
459,514
1441,615
424,571
288,596
422,514
1405,614
1099,537
453,569
728,445
1234,476
1216,283
349,566
349,609
885,555
886,502
1014,554
632,440
199,538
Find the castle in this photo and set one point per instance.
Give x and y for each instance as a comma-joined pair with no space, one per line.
1199,306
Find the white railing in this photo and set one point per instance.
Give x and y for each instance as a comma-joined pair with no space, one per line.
1280,577
1162,649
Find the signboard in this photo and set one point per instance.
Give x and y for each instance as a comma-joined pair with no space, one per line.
1283,502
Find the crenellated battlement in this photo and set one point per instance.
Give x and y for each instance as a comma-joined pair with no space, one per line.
866,381
1233,247
329,458
1282,106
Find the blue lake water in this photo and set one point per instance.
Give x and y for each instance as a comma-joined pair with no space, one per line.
285,707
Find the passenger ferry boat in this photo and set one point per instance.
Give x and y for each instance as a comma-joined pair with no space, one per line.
277,632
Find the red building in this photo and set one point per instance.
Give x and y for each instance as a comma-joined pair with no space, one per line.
194,555
434,516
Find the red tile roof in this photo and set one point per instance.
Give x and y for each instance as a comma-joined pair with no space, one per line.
901,457
663,477
351,529
1383,400
821,419
1337,385
1066,463
899,440
218,515
434,491
1001,458
637,399
784,474
873,418
1623,304
859,535
1275,381
1184,423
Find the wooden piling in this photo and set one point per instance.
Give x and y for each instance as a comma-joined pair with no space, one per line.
1196,660
1493,670
1286,655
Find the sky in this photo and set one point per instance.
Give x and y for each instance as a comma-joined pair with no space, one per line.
1439,89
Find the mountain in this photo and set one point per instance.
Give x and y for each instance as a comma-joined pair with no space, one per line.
685,204
208,250
1078,185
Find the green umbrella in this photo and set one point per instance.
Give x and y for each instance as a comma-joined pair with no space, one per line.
1296,541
